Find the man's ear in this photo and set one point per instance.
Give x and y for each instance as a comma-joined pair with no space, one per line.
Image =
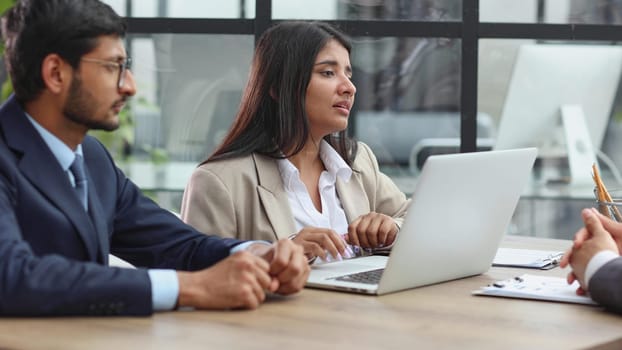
55,73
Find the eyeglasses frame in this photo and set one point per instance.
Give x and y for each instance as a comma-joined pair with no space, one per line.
122,66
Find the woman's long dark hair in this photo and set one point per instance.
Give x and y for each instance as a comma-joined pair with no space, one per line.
272,119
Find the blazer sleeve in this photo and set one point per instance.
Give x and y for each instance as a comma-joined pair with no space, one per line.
606,285
384,195
207,204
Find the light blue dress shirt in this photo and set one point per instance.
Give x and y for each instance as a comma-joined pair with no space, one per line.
164,283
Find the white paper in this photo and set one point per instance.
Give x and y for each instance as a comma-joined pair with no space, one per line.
538,288
527,258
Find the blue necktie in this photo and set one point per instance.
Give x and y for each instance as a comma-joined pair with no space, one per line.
77,169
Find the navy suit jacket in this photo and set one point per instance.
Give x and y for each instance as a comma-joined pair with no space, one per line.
606,285
53,254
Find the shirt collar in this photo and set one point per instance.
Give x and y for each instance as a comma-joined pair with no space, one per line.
288,172
61,151
335,166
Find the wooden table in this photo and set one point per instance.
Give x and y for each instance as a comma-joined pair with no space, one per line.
442,316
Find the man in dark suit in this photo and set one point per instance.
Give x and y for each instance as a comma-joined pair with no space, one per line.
595,259
64,205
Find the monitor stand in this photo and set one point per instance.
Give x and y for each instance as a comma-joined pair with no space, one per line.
581,155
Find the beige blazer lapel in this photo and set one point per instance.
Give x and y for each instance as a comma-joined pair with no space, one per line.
273,197
352,196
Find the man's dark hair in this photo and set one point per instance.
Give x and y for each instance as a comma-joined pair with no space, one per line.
33,29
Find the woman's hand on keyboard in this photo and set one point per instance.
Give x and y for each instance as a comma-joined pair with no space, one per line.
372,230
321,242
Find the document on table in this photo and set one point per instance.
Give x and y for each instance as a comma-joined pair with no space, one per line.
527,258
537,288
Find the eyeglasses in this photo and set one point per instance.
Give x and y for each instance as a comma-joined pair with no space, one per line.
122,67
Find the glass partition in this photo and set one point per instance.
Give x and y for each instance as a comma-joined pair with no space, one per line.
408,101
525,87
552,11
539,78
422,10
185,8
189,88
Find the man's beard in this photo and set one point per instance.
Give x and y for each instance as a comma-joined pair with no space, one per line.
81,106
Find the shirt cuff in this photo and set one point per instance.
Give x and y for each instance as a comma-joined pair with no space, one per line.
165,285
164,289
245,245
597,261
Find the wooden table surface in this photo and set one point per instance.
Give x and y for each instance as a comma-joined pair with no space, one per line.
442,316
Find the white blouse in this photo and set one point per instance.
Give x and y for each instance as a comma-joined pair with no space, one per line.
305,214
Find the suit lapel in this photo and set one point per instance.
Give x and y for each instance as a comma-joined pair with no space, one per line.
352,196
273,197
43,171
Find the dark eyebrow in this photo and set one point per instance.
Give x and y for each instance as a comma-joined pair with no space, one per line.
333,63
329,62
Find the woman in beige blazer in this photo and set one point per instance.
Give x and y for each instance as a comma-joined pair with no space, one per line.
286,167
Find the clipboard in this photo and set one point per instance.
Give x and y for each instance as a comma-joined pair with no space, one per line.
536,288
527,258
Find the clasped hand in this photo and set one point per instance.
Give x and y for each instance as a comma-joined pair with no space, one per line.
243,279
599,234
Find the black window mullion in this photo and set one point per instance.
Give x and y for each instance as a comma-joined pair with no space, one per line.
263,17
468,90
591,32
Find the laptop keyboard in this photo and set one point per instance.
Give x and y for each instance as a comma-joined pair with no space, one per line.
366,277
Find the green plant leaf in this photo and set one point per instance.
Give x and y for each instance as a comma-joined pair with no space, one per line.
5,4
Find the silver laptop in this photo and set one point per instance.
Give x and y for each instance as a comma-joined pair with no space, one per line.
460,209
